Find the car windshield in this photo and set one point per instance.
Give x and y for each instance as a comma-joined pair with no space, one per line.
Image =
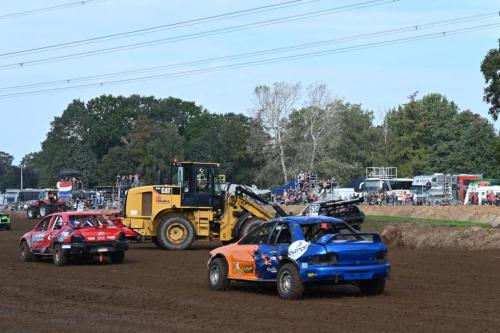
81,221
314,231
373,185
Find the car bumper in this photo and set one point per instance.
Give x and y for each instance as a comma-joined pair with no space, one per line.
94,248
339,274
4,225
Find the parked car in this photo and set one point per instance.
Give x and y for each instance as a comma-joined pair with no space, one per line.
4,221
67,235
297,251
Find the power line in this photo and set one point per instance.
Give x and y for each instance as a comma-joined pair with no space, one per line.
263,61
157,28
199,34
49,9
289,48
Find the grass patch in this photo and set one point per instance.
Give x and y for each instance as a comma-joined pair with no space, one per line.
377,222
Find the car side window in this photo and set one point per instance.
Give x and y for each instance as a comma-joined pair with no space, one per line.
43,225
285,236
259,235
281,234
58,223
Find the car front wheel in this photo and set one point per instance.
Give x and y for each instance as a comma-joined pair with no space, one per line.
217,274
289,283
25,252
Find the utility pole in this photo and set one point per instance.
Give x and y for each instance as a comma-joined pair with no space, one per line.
21,166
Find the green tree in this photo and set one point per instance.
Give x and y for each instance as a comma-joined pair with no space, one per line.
490,67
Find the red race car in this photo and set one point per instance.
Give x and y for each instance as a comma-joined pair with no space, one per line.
66,235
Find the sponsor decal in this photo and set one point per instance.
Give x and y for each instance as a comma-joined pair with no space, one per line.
314,209
242,269
160,200
311,275
248,269
272,270
66,246
305,265
37,237
297,249
163,190
266,259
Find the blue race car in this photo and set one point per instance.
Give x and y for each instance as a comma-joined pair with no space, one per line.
297,251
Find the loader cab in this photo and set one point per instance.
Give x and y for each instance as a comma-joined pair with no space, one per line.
199,183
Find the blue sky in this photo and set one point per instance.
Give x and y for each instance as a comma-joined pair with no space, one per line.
377,78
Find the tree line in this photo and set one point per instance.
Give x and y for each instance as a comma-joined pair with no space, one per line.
116,135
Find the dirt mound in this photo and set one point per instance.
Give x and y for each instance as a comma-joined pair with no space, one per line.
484,214
413,235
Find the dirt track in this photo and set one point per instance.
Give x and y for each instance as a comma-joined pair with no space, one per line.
160,291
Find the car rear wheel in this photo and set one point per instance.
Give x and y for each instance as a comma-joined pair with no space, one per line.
175,233
289,283
217,274
372,287
25,252
117,257
60,259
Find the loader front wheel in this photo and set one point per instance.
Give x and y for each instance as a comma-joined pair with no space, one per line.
175,233
249,225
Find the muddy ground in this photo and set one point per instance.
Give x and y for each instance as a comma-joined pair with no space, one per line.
159,291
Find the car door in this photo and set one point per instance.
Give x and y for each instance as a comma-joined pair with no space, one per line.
272,253
55,228
246,255
40,235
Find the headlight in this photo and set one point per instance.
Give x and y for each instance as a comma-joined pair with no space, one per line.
324,259
381,257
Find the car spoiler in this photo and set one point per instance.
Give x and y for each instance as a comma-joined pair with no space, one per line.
358,236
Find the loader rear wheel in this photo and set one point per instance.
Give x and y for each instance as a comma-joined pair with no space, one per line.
249,225
175,233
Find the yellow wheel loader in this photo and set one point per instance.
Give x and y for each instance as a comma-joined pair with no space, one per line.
192,207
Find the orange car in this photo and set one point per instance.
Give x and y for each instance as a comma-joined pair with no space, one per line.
294,251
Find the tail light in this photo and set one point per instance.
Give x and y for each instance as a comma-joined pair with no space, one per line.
324,259
381,257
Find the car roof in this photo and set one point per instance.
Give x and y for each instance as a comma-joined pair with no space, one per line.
78,213
308,219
